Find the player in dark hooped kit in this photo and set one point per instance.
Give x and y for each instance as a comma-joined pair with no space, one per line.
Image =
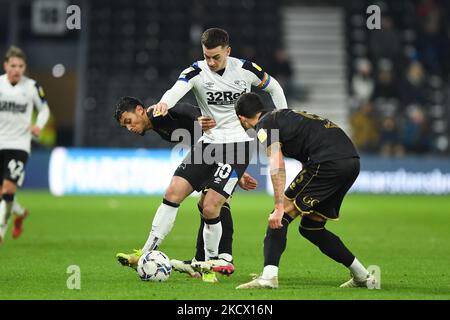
330,167
132,114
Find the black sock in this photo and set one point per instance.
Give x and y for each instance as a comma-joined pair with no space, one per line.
275,242
200,248
226,241
330,244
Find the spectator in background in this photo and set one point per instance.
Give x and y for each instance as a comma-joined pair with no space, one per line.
433,46
281,69
389,138
385,43
362,82
365,128
415,131
385,86
428,9
412,88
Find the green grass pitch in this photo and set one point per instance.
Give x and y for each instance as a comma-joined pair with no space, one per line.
407,236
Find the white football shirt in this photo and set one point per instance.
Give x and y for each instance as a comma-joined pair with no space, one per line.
16,110
217,94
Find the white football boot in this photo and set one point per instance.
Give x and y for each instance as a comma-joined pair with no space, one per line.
369,282
259,283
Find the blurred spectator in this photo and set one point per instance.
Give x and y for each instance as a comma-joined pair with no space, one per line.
364,128
428,9
362,82
281,70
385,83
389,138
385,43
433,46
412,88
415,131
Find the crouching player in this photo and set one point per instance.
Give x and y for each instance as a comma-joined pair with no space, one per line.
132,115
330,167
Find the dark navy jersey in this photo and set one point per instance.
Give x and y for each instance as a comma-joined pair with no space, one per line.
305,137
181,116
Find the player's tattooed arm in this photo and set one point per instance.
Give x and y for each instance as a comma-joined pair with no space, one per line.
278,177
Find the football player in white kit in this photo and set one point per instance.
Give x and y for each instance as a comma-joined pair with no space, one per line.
219,159
18,96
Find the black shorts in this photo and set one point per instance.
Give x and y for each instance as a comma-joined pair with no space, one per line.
215,166
12,165
321,188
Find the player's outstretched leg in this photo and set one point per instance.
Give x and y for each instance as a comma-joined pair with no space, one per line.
332,246
163,220
274,246
161,226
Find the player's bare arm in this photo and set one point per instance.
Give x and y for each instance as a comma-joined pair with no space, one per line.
278,176
247,182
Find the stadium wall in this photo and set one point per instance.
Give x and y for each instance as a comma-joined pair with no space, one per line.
148,171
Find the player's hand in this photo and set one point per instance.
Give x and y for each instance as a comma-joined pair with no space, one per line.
247,182
35,131
206,123
160,109
275,219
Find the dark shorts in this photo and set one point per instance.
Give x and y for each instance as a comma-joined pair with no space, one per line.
215,166
320,188
12,165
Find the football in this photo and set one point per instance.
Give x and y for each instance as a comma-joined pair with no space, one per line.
154,266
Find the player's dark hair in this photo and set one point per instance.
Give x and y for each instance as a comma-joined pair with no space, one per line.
215,37
15,52
126,104
248,105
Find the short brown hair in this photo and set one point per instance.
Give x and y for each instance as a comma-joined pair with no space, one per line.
215,37
15,52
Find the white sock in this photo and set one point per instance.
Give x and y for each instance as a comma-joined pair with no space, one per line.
3,220
162,224
2,211
211,237
226,256
358,270
269,272
18,209
5,211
